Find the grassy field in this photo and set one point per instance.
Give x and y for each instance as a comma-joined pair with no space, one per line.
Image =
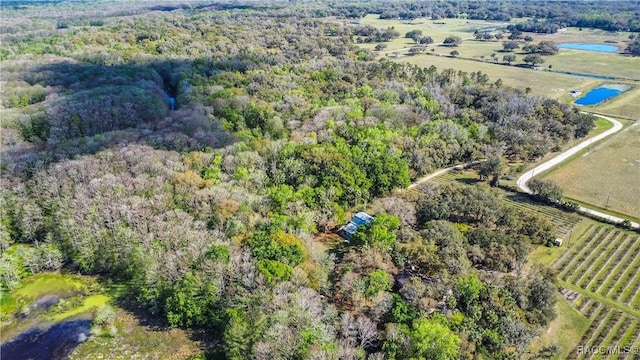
477,56
541,82
564,331
436,29
575,61
582,178
588,62
624,105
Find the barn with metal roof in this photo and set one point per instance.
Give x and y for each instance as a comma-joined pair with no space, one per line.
359,219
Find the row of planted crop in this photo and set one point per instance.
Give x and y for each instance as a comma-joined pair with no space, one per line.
596,256
602,330
599,313
630,339
580,253
574,248
609,329
554,214
613,339
602,280
612,271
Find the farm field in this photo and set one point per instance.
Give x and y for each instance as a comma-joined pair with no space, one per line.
600,274
582,178
438,30
588,62
542,83
624,105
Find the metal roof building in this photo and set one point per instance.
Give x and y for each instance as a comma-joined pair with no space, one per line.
359,219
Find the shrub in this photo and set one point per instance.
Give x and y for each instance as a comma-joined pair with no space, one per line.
273,270
105,315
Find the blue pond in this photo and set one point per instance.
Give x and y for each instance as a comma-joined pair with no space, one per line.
597,96
589,47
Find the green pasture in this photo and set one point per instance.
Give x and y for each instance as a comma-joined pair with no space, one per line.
616,188
587,62
487,56
540,82
596,63
596,36
625,105
565,331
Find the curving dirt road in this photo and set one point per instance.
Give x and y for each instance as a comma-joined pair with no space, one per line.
522,180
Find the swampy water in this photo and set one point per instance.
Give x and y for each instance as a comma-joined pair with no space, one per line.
52,343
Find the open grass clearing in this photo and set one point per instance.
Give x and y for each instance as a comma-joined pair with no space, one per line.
625,105
565,330
547,256
590,62
540,82
573,61
437,29
615,185
587,62
595,36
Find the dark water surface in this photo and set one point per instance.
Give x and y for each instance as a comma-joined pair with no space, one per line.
54,343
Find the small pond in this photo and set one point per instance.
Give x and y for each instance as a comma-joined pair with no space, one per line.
589,47
600,94
56,342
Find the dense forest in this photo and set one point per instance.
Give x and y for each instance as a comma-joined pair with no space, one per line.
214,213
